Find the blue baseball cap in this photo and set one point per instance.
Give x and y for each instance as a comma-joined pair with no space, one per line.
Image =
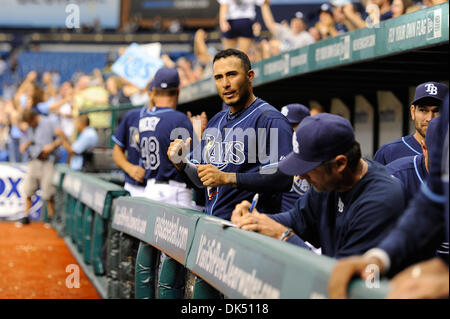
317,139
166,78
426,92
295,113
326,7
298,15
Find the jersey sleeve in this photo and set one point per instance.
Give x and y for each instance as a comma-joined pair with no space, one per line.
284,133
278,145
120,136
302,221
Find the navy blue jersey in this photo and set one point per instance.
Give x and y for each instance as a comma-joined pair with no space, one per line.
229,143
127,137
404,146
349,223
299,188
411,171
155,129
424,224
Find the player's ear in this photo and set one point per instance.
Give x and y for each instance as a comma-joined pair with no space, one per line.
341,163
251,75
412,110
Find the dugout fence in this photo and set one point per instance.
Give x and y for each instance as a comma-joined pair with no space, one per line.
103,227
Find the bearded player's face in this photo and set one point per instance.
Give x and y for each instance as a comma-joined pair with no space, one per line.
232,81
422,115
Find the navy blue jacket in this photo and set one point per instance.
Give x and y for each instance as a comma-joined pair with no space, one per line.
350,223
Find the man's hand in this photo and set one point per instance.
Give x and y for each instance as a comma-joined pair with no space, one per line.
344,270
211,176
255,221
136,172
427,279
177,151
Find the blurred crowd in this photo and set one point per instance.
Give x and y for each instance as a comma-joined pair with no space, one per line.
100,89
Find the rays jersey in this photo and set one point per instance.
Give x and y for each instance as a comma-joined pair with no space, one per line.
242,143
404,146
157,128
127,137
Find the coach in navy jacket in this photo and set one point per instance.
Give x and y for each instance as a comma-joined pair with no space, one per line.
426,216
353,203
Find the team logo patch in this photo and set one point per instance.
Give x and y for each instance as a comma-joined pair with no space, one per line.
431,89
295,145
340,206
284,111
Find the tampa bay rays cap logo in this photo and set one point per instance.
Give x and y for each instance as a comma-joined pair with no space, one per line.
431,89
295,145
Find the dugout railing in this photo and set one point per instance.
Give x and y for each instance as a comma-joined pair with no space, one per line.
100,219
84,206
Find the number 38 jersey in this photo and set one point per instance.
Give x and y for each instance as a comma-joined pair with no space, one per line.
158,127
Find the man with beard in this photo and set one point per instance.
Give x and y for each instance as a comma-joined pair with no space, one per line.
240,146
424,108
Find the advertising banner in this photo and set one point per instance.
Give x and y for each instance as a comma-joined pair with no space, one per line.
12,197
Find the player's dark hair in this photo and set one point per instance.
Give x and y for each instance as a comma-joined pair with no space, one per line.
234,52
353,156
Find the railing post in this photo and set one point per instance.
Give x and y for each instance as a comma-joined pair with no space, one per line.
97,244
171,279
203,290
44,211
146,271
87,237
78,217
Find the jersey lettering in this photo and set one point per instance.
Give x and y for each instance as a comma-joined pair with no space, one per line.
150,152
222,153
148,123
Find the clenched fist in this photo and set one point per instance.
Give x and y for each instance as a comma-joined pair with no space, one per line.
177,152
211,176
